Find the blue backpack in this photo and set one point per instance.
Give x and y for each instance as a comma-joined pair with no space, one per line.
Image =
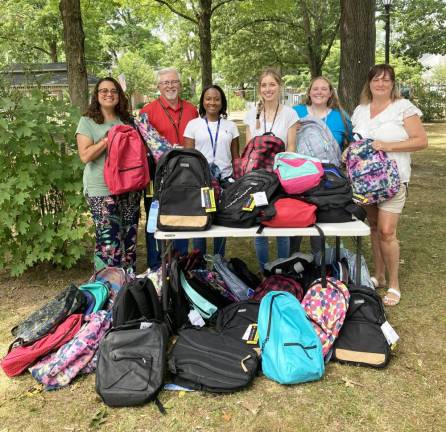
291,350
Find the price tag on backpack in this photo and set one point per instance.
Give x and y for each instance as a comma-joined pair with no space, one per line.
249,204
260,199
149,189
208,200
251,335
389,333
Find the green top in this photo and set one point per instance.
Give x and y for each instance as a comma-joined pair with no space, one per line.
93,179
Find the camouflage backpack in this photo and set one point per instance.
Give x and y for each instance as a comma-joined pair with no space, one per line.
49,316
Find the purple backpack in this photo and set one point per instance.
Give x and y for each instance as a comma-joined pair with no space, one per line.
326,308
374,176
278,283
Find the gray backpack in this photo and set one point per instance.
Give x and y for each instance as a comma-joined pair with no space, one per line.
315,139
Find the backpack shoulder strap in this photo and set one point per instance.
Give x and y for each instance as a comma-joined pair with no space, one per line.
146,298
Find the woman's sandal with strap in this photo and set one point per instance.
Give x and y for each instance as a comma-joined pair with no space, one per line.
392,300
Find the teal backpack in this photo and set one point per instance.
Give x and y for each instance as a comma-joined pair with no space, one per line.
291,350
100,291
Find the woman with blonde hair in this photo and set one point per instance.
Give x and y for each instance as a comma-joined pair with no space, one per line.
395,126
271,117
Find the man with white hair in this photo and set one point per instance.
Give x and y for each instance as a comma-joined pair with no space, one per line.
169,114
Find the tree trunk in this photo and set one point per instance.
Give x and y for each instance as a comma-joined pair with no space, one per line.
53,51
204,31
70,11
358,34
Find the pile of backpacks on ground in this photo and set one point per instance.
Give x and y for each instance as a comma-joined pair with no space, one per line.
230,325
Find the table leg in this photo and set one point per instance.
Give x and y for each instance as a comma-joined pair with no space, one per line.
358,261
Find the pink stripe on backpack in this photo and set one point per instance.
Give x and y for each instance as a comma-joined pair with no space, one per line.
297,173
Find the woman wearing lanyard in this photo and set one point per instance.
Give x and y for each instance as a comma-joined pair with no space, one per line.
217,138
270,116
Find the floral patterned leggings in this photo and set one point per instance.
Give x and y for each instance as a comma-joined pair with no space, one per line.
116,221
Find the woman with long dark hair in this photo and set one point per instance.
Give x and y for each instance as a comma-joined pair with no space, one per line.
115,216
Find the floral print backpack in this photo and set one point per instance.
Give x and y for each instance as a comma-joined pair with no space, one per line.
374,176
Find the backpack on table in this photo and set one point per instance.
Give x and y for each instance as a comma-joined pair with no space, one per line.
137,299
373,175
278,283
44,320
126,167
297,173
205,360
287,212
181,174
258,153
233,206
361,341
316,140
131,363
291,350
333,197
326,306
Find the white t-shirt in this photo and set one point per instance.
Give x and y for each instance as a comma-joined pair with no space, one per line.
286,117
197,130
388,126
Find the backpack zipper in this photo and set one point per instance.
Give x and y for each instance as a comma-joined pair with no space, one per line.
129,169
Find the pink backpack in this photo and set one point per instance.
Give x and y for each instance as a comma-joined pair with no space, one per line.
126,168
77,356
326,308
297,173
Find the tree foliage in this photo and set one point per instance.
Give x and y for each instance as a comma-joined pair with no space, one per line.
41,202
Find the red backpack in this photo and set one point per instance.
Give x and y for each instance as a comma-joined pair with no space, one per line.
20,358
126,168
259,153
287,212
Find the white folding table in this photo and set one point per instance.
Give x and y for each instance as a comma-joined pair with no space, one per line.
356,229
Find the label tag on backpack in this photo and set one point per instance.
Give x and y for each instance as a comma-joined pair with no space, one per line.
249,204
389,333
260,199
149,189
208,199
251,335
145,325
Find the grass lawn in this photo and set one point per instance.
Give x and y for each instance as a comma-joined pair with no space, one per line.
409,395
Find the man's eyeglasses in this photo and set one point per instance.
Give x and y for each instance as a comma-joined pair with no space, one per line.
105,91
167,83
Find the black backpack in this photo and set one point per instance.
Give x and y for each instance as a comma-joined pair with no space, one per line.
205,360
180,176
137,299
131,363
361,340
236,197
241,270
333,197
239,321
48,317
